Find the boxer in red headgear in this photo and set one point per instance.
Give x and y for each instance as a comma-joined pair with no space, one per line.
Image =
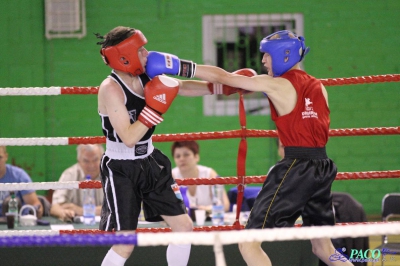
134,172
125,56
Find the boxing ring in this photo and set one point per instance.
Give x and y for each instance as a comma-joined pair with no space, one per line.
216,236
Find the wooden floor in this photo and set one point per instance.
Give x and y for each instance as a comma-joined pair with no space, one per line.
391,260
375,241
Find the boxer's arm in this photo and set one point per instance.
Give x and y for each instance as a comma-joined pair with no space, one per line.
279,90
199,88
111,102
216,88
261,83
193,88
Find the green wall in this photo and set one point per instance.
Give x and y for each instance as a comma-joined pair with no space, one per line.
347,39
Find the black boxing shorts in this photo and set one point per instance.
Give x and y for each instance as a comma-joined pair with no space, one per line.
128,183
299,184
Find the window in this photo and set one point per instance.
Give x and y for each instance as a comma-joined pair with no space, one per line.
65,19
232,42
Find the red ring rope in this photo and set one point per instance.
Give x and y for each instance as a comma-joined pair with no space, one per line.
326,82
248,133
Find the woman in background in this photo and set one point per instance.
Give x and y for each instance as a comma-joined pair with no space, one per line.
186,157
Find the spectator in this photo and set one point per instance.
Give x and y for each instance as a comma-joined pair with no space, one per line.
186,156
13,174
68,203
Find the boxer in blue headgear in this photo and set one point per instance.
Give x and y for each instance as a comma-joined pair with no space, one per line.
300,183
285,48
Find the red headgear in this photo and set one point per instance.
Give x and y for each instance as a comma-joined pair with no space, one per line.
124,56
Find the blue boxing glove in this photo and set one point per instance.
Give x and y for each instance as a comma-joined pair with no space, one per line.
163,63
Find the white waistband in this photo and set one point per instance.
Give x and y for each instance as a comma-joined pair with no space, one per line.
119,151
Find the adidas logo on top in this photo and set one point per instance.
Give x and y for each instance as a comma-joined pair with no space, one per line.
160,98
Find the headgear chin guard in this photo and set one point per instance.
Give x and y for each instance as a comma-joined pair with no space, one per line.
285,48
124,56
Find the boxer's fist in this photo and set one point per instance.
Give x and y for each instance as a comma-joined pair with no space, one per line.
163,63
216,88
158,94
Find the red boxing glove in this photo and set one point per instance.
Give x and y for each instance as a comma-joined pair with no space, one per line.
158,94
216,88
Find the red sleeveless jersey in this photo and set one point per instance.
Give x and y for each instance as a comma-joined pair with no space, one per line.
308,124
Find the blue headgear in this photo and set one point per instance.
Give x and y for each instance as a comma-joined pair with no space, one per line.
284,50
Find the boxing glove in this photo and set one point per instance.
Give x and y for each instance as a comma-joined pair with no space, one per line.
216,88
163,63
158,94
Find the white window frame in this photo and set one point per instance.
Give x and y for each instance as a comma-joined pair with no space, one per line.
65,19
218,28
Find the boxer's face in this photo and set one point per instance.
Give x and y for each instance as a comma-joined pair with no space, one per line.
185,159
89,160
267,62
143,53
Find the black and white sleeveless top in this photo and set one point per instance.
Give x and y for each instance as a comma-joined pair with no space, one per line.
115,148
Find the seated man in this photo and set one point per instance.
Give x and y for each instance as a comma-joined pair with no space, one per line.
68,203
13,174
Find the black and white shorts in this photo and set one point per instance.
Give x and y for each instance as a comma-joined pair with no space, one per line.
128,183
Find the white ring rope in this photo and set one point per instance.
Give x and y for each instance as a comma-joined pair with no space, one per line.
35,91
5,233
34,141
39,186
269,235
247,235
